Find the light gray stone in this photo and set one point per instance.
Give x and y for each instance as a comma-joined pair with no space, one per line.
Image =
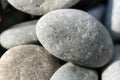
27,62
40,7
112,72
19,34
70,71
75,36
97,12
112,20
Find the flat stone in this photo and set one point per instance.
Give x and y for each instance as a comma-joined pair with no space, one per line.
112,21
70,71
112,72
97,12
40,7
19,34
75,36
17,62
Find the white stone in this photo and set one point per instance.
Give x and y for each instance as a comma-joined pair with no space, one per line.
40,7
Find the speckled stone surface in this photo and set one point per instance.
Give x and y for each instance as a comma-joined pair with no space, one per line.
112,72
38,68
70,71
40,7
19,34
75,36
112,21
16,62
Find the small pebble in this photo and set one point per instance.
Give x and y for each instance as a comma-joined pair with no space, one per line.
70,71
40,7
112,72
27,62
112,21
75,36
19,34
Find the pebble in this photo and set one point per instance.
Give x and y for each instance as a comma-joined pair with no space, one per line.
75,36
27,62
40,7
19,34
112,72
70,71
97,12
112,21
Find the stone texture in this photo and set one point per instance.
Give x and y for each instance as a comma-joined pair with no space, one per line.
112,72
40,7
37,68
97,12
112,20
75,36
19,34
17,62
70,71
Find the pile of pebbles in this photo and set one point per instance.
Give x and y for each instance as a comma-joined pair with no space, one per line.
59,39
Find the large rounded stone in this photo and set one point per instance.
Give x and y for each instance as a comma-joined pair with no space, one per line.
17,62
112,72
40,7
70,71
75,36
19,34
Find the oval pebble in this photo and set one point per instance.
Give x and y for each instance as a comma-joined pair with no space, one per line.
112,72
19,34
17,62
40,7
75,36
70,71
